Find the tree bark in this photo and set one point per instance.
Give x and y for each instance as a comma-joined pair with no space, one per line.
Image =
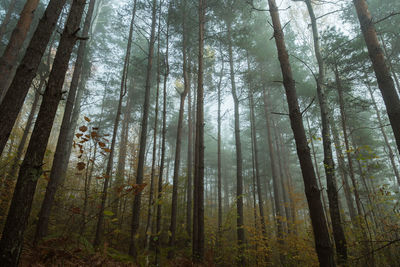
382,72
31,168
143,136
9,58
321,234
56,175
189,202
15,96
198,190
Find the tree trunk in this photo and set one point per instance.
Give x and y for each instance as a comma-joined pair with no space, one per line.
219,154
198,190
239,159
26,72
31,167
143,136
384,79
175,178
56,176
189,202
321,234
163,132
9,58
329,165
119,178
6,20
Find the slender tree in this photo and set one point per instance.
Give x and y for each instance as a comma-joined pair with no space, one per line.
143,136
321,235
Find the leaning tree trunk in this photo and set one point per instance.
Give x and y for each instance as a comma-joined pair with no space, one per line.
198,190
9,58
174,205
321,234
143,136
382,72
56,176
239,159
31,167
329,165
26,72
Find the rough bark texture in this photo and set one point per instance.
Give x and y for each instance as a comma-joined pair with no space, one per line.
56,175
219,170
26,72
189,201
31,167
329,165
382,72
9,58
143,136
321,234
198,190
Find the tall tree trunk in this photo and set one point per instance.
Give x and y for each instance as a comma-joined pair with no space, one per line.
174,205
119,178
329,165
384,79
163,132
143,136
31,168
26,71
239,159
189,202
148,231
9,58
56,177
278,206
256,161
6,20
219,168
198,190
321,234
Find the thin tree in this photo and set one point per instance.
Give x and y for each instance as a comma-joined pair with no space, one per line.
321,234
31,167
26,71
7,18
143,135
174,205
198,189
9,58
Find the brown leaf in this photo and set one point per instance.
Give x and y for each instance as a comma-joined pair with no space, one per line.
107,150
80,166
83,128
101,144
86,119
79,135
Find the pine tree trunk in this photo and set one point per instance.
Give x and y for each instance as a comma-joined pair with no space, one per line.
198,190
6,20
189,202
122,151
239,159
321,234
143,136
219,167
9,58
56,177
329,165
31,167
26,72
384,79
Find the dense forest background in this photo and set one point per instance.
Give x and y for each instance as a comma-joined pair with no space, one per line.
199,133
